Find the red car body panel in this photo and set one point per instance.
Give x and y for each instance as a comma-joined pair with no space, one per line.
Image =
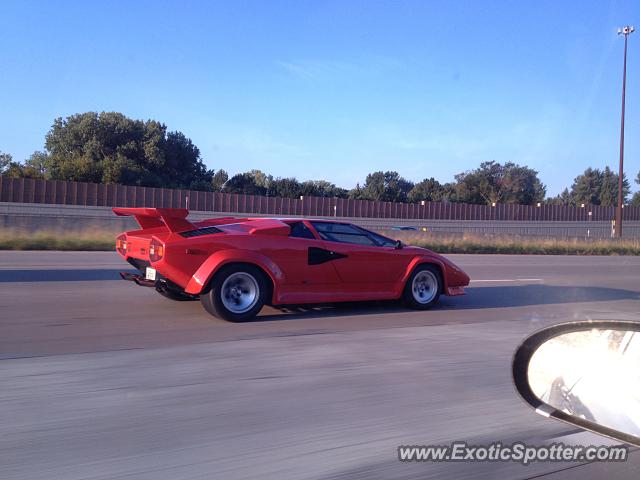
194,251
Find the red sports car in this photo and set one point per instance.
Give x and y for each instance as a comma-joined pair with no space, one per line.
237,265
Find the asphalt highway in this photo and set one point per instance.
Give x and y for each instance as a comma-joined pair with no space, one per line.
102,379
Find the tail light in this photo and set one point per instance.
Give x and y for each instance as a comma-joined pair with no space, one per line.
156,250
121,244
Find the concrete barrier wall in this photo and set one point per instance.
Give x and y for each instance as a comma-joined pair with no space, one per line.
33,217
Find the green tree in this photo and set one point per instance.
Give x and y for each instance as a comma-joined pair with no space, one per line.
36,166
598,187
218,180
586,187
635,200
448,193
109,147
493,182
356,193
428,190
321,188
374,187
609,188
384,186
284,187
5,162
244,183
261,179
12,169
564,198
609,191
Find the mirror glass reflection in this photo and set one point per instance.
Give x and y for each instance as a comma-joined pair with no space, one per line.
593,375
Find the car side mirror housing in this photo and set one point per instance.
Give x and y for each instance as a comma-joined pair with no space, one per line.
586,374
399,244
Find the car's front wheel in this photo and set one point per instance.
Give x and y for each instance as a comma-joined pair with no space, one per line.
237,293
423,288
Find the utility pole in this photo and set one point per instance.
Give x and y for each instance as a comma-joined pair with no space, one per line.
626,31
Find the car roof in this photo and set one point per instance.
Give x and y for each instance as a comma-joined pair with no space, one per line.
241,220
300,219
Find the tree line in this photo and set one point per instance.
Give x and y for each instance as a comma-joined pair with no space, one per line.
109,147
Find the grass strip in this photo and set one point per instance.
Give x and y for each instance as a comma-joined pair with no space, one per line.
473,243
53,240
441,243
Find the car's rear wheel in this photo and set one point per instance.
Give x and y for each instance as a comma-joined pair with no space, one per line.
237,293
423,288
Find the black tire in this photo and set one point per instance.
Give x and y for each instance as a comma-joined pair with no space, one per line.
236,283
423,294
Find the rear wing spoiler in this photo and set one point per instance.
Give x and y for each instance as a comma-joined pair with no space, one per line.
175,219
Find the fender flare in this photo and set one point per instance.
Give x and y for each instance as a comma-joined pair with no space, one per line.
428,260
217,260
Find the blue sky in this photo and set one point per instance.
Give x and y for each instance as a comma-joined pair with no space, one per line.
335,89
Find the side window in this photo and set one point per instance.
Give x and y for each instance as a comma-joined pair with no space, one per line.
342,232
300,230
381,240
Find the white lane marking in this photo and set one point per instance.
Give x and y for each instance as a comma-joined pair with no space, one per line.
508,280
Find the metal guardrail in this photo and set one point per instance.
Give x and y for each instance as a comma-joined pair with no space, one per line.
42,216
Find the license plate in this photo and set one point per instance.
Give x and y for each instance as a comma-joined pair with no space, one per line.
150,274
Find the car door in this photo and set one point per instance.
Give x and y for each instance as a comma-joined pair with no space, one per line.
363,259
301,262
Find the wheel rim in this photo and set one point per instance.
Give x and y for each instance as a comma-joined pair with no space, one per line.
424,286
240,292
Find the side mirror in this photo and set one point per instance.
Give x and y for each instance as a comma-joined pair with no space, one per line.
399,244
586,374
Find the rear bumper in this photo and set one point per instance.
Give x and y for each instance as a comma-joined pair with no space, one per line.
162,285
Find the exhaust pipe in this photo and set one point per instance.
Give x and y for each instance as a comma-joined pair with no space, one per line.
138,279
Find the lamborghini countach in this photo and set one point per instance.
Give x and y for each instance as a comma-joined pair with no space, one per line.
235,266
